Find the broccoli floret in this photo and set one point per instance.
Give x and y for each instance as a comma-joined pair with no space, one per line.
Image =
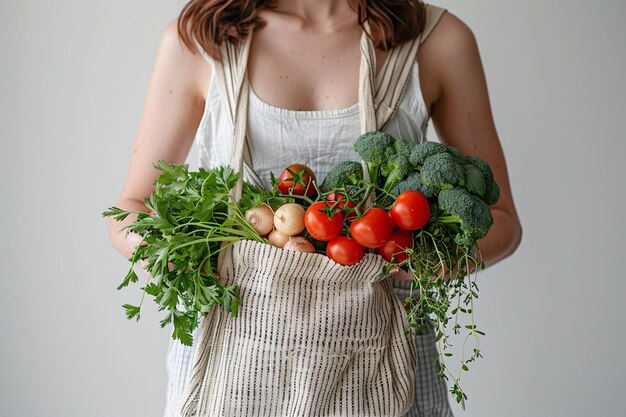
456,153
442,171
492,191
374,148
469,210
423,150
414,182
342,174
474,180
403,147
396,168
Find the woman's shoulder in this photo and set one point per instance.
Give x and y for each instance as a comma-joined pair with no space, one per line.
449,41
448,47
445,28
191,64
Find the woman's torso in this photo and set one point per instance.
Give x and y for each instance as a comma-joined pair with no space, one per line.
320,138
288,130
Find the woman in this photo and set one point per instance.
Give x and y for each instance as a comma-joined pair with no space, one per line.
303,72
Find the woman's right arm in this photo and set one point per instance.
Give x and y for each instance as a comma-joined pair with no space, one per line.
173,108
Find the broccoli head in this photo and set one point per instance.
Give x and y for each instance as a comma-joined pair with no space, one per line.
374,148
423,150
492,191
474,180
469,210
414,182
442,171
343,174
395,169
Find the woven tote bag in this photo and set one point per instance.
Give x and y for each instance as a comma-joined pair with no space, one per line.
312,338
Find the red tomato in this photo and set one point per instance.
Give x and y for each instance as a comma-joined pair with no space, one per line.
319,225
345,251
373,229
399,241
343,202
152,212
286,180
410,211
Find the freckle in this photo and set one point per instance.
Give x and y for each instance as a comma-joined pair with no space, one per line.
170,91
327,96
312,89
323,56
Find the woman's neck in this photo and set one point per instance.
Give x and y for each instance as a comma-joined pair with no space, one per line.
316,12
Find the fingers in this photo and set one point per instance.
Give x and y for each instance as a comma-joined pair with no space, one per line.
402,275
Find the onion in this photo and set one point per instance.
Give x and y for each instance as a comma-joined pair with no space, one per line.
289,219
300,244
261,219
278,239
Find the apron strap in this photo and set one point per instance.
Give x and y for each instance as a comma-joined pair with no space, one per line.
393,78
233,87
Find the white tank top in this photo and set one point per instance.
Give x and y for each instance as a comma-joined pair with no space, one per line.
279,137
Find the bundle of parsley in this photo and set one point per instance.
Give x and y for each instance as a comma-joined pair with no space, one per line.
188,224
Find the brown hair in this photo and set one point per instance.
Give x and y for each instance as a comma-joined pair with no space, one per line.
212,22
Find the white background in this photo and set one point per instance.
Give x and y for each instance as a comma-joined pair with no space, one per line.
73,78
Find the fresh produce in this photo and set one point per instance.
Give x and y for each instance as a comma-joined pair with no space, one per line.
395,248
323,222
343,174
190,221
297,179
277,238
341,200
299,244
410,211
261,219
289,219
374,148
373,229
445,257
423,210
345,251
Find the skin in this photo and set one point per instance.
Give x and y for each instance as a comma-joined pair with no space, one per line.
307,58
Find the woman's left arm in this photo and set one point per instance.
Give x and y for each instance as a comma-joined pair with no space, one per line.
462,117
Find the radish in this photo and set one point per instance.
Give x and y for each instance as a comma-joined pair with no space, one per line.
300,244
289,219
261,219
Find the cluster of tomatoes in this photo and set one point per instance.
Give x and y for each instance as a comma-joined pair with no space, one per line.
349,229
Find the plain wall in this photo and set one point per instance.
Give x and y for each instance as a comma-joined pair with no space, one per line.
73,79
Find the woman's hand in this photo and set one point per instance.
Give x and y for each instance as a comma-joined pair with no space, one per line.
133,240
439,271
